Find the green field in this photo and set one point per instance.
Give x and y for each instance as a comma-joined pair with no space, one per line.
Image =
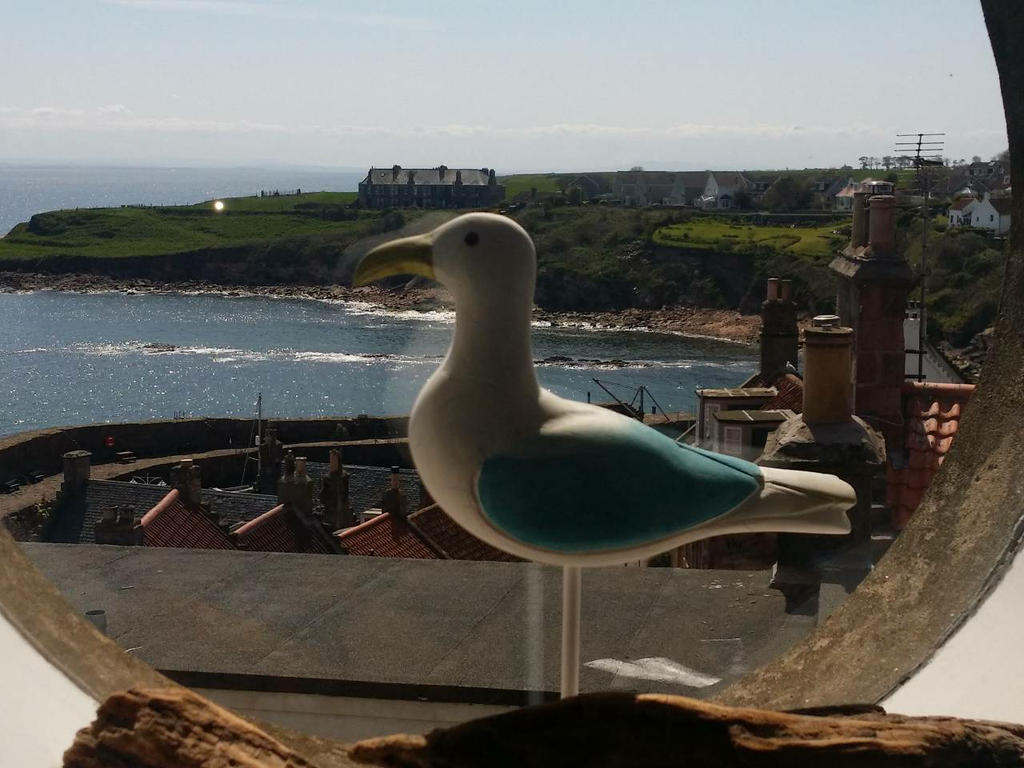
131,231
721,235
544,183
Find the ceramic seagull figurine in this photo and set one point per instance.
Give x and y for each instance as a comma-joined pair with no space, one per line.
554,480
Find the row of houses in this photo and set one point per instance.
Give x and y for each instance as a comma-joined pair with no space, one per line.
726,190
708,190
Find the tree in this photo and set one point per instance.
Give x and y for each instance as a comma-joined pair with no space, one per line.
789,193
864,160
887,162
976,159
1002,157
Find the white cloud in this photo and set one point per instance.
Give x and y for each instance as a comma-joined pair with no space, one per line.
117,117
96,132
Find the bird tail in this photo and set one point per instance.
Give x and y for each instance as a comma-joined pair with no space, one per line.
793,501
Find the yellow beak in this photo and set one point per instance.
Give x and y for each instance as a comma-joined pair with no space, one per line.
405,256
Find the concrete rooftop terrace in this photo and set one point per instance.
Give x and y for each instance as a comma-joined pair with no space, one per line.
439,630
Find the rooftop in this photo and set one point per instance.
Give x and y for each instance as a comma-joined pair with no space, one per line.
427,534
366,485
750,417
425,176
384,536
932,414
434,524
1003,205
171,523
280,530
430,628
76,521
738,392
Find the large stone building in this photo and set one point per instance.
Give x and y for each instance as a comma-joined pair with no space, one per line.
441,187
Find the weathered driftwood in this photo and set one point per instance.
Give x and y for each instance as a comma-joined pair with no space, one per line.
647,731
173,727
161,728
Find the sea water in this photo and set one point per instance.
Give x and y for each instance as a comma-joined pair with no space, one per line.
71,358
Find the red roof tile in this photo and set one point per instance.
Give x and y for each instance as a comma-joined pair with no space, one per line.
454,540
932,413
789,391
384,537
280,530
173,524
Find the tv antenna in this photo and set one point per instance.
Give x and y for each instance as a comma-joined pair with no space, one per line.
923,151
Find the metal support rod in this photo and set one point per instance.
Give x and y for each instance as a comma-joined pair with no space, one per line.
571,590
626,405
922,332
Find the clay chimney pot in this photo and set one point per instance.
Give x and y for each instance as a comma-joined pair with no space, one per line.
828,371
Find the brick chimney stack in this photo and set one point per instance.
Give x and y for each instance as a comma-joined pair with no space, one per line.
828,438
77,467
779,338
874,281
186,478
334,494
295,488
394,501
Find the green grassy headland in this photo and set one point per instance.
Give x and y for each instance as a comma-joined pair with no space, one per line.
590,257
147,231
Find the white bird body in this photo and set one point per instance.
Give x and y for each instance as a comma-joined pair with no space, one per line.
482,420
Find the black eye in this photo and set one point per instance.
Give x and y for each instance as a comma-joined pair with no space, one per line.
472,238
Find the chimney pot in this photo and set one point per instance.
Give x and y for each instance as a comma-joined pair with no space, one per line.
186,478
859,229
787,290
828,371
882,226
773,289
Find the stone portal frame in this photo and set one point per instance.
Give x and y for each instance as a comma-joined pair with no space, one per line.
951,554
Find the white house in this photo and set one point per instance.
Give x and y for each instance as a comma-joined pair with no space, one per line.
992,214
720,190
959,212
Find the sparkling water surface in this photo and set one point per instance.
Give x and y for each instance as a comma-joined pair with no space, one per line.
69,359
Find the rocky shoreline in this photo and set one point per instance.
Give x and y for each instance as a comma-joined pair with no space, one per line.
725,325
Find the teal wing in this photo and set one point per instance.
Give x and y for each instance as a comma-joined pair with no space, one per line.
611,487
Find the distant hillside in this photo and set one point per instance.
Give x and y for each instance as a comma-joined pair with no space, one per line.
590,257
287,238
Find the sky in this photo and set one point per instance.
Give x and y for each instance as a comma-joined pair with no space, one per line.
520,85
